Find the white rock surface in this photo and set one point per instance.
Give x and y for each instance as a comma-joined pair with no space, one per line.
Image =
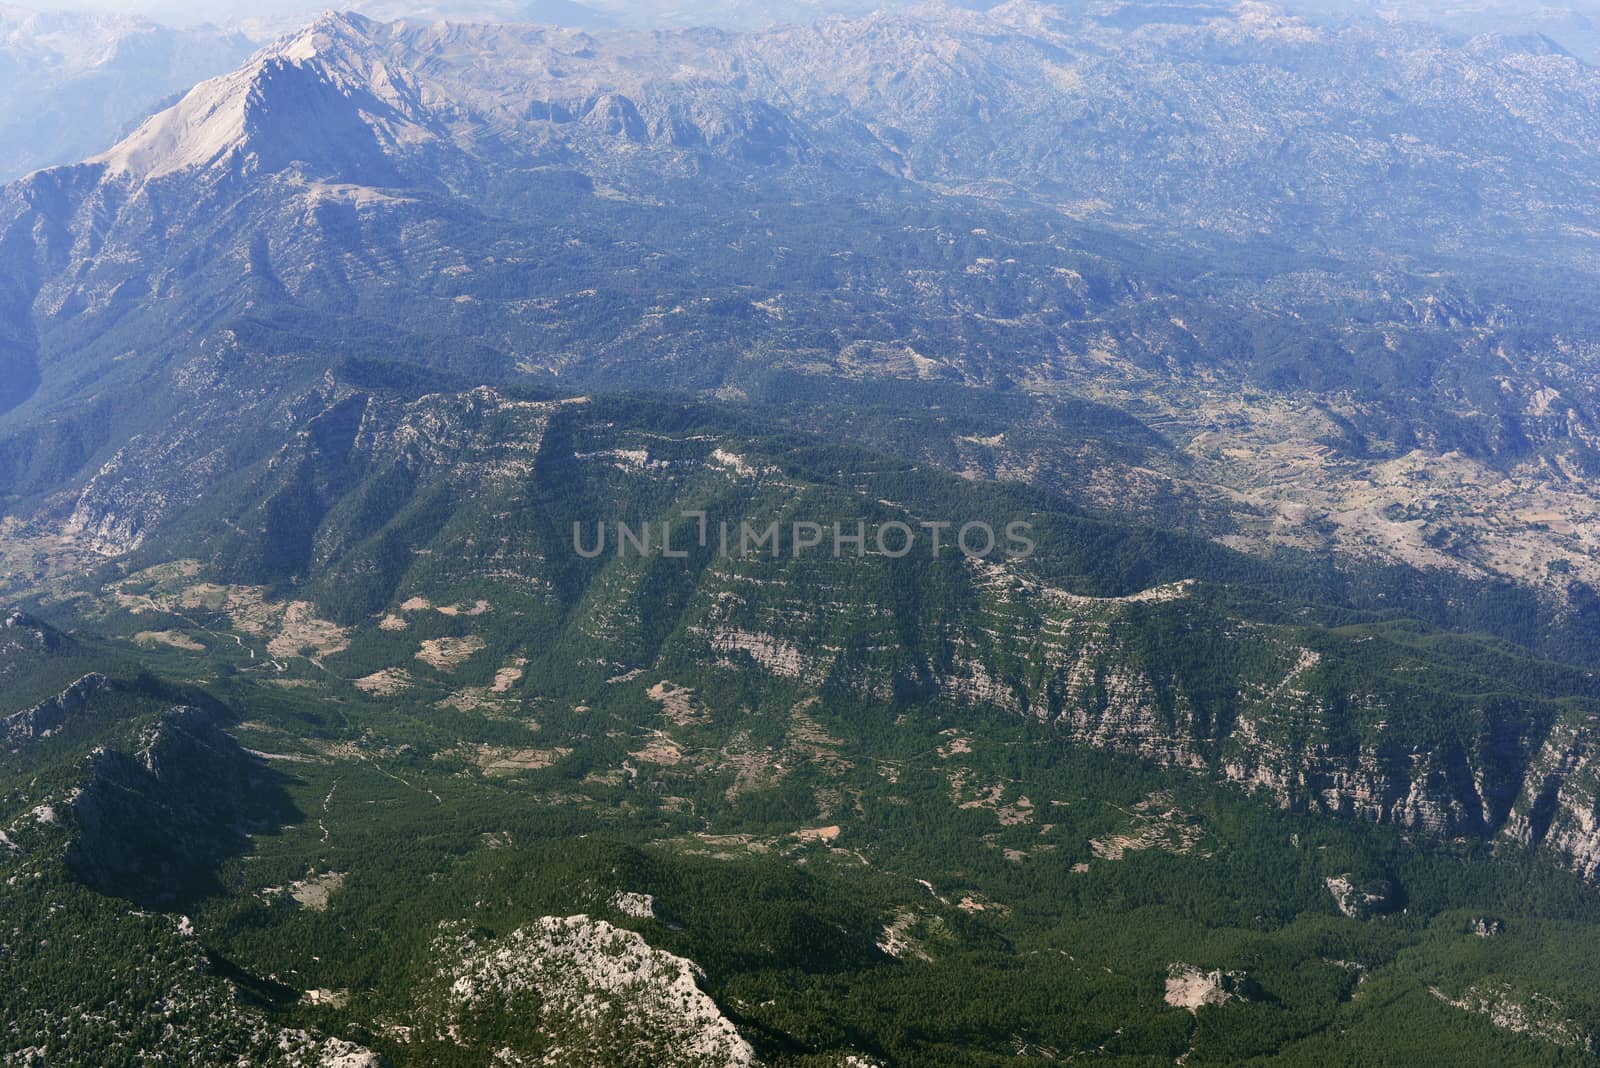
597,985
1190,988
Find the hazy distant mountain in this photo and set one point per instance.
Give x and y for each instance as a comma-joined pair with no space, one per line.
1573,24
569,13
1379,226
1235,120
71,82
727,14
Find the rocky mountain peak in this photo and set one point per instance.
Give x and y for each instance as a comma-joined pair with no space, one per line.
322,97
330,33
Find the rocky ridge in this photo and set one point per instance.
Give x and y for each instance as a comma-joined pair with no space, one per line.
44,719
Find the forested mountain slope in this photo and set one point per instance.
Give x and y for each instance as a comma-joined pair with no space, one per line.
474,762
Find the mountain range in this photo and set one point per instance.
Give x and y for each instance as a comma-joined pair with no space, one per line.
1098,213
326,740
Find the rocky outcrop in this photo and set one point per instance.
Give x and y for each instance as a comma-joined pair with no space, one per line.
1189,987
597,994
1360,899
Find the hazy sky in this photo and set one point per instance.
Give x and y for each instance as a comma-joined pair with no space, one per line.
1574,24
179,11
567,11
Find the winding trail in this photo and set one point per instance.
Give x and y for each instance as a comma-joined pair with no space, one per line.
326,801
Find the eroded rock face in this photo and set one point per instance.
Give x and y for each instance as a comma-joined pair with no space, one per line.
1289,733
591,993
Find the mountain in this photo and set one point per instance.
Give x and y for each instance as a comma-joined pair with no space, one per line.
71,82
376,505
507,790
1099,217
487,519
730,14
587,14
